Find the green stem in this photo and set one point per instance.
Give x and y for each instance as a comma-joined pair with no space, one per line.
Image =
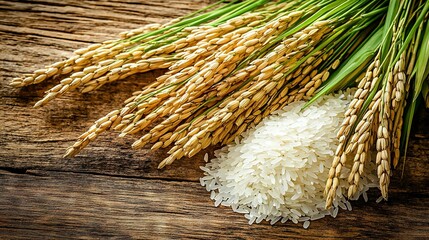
413,30
246,8
190,22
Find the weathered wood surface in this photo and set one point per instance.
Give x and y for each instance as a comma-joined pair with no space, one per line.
112,191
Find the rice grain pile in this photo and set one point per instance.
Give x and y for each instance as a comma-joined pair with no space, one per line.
278,170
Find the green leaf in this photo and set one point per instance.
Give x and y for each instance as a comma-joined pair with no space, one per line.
425,92
408,121
361,56
422,66
387,30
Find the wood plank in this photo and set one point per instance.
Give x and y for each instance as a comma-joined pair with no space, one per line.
68,205
112,191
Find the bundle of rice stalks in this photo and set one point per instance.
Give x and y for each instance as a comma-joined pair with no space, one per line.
232,64
380,116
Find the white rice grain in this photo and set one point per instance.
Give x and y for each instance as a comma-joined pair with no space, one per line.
277,171
365,196
335,212
306,224
349,206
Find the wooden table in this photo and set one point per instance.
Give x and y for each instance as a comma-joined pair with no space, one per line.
111,191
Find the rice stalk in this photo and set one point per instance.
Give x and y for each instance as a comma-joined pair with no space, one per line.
378,117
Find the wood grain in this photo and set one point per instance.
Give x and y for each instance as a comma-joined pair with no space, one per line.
53,204
111,191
